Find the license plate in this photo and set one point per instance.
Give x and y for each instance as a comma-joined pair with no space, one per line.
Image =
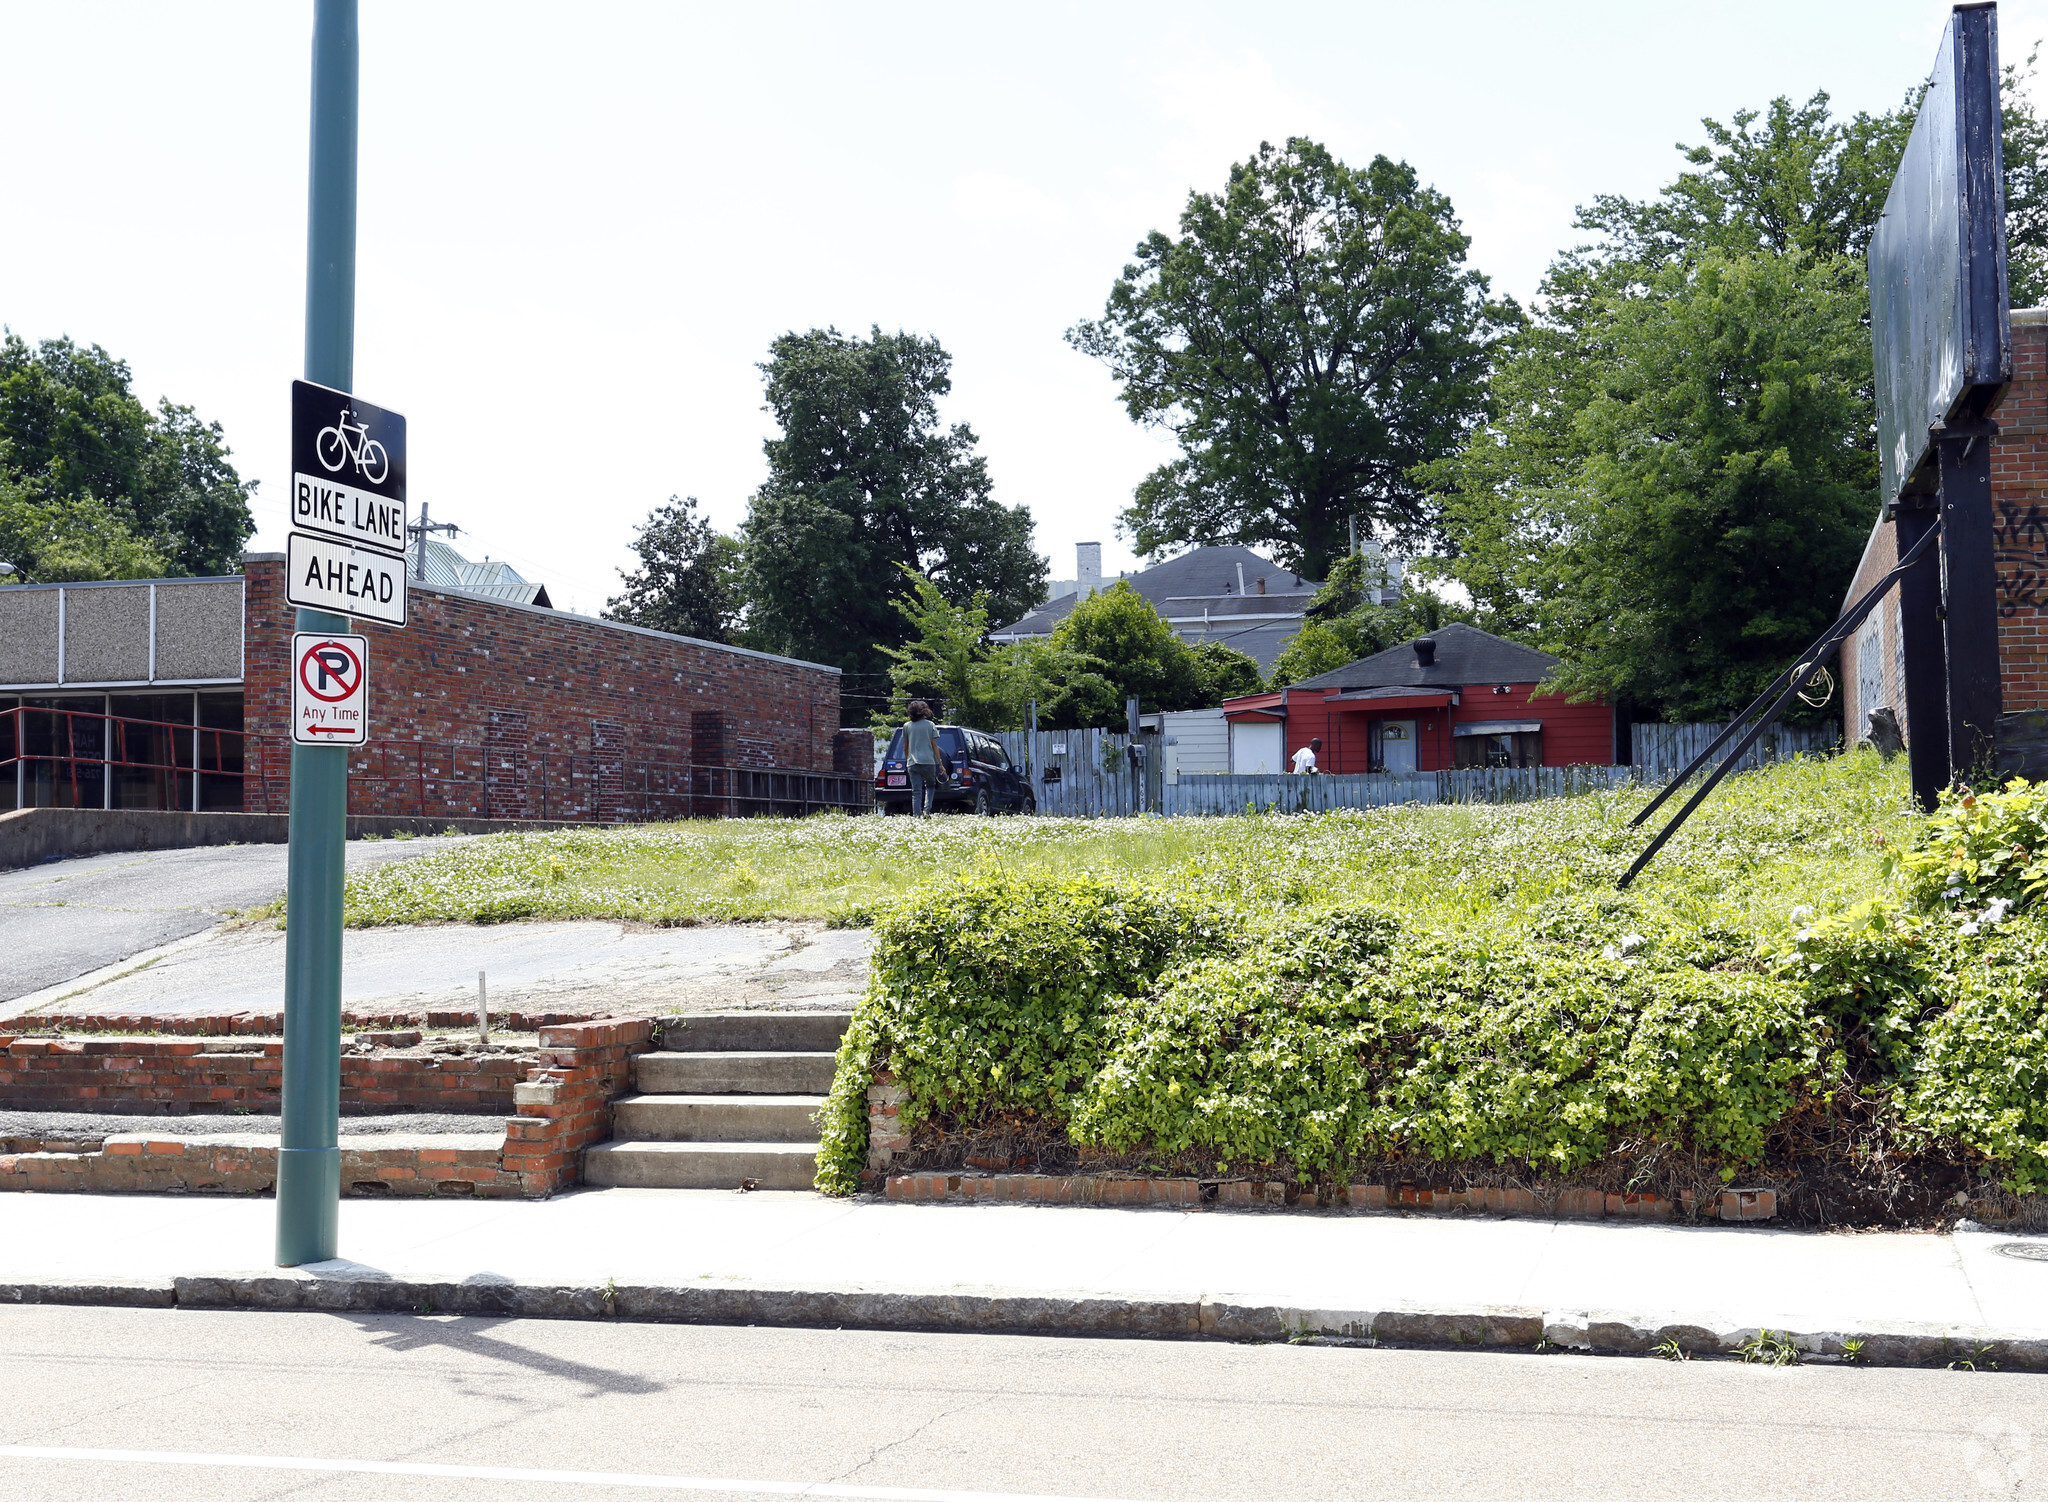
898,779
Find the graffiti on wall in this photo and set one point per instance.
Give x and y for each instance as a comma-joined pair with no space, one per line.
2019,539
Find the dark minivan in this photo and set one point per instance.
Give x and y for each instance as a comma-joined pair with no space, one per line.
980,776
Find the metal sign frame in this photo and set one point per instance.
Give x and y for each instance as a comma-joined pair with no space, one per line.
328,709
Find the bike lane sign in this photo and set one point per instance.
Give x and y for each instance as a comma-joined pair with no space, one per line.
330,689
348,469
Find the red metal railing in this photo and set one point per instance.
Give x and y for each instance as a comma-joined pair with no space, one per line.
92,757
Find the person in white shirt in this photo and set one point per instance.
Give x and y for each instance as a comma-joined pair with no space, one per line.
1305,758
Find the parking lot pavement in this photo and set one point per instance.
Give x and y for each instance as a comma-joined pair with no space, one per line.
69,918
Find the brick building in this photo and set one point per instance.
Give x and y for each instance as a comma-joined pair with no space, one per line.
175,694
1872,660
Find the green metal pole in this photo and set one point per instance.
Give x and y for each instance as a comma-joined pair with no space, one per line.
309,1155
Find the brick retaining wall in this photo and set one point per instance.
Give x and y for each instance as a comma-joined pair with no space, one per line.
561,1106
130,1076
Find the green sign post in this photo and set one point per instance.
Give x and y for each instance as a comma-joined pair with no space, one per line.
309,1155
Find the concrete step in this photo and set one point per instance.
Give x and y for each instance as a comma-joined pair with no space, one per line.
770,1032
701,1165
739,1073
716,1118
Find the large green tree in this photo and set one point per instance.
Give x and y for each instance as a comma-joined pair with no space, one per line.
1678,491
1792,177
863,481
1311,335
1680,473
73,435
688,579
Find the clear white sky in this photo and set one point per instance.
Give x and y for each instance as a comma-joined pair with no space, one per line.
581,224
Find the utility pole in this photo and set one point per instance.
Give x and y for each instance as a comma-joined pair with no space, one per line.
309,1153
421,529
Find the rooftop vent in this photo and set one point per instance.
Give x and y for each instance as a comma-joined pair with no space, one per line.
1262,584
1425,651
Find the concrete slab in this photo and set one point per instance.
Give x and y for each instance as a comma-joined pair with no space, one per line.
576,966
68,919
1709,1277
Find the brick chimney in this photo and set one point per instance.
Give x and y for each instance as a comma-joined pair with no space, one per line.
1087,569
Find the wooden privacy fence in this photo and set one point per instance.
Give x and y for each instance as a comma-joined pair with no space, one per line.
1087,774
1660,750
1223,793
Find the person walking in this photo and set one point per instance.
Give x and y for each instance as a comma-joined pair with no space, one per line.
922,757
1305,758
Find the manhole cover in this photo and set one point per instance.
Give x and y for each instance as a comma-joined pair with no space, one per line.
2026,1251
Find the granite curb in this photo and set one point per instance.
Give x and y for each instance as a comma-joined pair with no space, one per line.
998,1311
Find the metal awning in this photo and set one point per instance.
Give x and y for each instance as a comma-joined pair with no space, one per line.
1498,727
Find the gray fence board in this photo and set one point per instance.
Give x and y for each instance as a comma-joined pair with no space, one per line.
1660,750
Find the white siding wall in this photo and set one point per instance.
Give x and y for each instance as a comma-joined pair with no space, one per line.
1197,740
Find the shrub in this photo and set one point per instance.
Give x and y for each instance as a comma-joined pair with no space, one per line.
1980,1074
987,994
1976,848
1331,1043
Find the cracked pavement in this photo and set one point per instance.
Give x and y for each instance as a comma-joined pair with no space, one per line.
65,919
141,935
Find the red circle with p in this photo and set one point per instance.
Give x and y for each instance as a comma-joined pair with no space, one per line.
330,671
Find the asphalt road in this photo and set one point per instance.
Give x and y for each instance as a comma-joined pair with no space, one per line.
68,918
746,1413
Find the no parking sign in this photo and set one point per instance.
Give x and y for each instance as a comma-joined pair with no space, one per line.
330,689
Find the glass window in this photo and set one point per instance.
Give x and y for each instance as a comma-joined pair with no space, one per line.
953,741
1516,749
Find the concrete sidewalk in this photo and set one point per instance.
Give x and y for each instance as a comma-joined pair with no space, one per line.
801,1259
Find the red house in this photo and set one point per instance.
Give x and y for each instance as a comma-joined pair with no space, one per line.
1459,698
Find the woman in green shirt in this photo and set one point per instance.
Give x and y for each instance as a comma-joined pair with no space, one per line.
922,757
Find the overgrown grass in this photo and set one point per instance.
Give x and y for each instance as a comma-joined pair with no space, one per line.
1803,833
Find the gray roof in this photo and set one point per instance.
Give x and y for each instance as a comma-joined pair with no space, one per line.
1186,583
432,561
1464,654
1201,583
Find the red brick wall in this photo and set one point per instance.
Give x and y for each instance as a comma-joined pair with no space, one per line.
145,1078
477,702
2019,497
564,1104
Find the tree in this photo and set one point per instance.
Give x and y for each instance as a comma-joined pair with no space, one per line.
71,431
862,482
1225,672
944,661
1311,336
1139,653
1680,483
1347,620
688,579
63,541
1802,180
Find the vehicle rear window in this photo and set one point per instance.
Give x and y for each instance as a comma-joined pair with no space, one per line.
895,751
953,742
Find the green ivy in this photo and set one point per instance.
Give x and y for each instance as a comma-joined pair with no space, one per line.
1331,1044
988,994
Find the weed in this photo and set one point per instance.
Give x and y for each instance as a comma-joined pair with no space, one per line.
608,1292
1853,1353
1670,1350
1976,1359
1767,1349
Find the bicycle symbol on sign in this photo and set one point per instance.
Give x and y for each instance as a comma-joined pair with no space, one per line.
351,440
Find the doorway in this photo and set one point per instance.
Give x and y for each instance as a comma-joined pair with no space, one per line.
1255,746
1393,746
